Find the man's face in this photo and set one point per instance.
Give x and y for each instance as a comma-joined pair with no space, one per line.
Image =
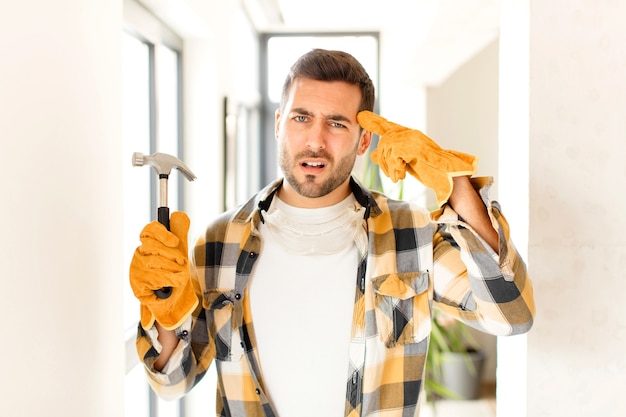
319,139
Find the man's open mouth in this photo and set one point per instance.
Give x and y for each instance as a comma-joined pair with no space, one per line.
313,164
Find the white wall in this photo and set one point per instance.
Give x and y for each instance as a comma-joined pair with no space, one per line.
60,132
462,111
513,187
462,114
577,245
561,175
220,59
62,347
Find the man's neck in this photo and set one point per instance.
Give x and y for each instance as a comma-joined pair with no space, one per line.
290,196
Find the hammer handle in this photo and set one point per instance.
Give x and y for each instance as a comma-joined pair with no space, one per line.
163,214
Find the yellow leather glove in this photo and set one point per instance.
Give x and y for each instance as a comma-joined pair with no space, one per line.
162,261
401,149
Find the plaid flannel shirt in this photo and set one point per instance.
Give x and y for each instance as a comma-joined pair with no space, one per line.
396,289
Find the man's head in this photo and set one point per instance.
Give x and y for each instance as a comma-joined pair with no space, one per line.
324,65
317,130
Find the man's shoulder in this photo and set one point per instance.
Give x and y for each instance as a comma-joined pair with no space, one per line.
397,205
240,215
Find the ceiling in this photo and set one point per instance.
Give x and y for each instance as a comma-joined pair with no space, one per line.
433,37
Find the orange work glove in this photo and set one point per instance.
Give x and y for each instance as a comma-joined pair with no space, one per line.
162,261
401,149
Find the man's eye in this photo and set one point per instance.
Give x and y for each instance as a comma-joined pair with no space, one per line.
300,118
337,124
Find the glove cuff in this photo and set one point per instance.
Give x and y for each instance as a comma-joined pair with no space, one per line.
170,312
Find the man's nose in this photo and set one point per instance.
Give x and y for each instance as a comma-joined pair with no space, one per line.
315,136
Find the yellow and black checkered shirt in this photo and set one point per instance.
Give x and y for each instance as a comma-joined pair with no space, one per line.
408,252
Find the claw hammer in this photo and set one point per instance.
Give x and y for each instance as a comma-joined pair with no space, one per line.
162,164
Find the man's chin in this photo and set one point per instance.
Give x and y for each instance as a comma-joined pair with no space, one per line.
310,191
310,187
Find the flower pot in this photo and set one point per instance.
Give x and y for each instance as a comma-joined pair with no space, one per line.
462,372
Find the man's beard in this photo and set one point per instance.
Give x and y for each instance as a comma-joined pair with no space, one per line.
309,188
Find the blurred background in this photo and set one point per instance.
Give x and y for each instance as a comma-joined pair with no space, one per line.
535,89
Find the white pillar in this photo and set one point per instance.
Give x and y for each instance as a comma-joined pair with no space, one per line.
576,361
512,184
62,348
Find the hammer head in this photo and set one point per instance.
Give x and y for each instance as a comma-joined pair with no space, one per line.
162,164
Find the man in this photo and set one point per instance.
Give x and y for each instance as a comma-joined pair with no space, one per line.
314,298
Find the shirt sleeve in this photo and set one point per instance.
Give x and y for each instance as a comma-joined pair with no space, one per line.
176,378
489,291
195,350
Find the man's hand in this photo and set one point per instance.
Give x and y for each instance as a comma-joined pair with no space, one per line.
162,261
401,149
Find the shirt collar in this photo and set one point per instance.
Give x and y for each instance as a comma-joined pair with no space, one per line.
262,200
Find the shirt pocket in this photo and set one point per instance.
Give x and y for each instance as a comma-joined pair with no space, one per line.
402,307
224,319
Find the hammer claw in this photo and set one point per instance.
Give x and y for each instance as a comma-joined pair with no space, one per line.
163,164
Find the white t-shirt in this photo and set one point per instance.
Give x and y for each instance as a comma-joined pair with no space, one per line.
302,300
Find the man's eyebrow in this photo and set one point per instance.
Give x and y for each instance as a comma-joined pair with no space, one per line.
301,110
338,118
335,117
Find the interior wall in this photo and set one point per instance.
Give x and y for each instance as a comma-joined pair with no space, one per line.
220,59
512,370
60,124
63,348
577,245
462,114
220,63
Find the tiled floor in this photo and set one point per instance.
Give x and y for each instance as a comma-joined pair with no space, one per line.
450,408
485,406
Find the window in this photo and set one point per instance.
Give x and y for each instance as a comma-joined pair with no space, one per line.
151,122
279,51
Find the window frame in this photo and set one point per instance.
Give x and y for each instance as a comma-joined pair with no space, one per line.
267,147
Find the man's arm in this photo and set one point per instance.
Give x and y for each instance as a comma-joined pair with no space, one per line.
491,293
168,341
468,205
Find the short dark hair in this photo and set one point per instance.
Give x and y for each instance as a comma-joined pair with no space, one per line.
325,65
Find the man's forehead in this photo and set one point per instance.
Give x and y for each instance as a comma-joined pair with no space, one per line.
300,82
328,98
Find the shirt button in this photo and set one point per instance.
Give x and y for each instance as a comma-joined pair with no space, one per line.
252,254
237,296
258,391
184,333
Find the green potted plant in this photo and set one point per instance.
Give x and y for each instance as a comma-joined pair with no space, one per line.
454,362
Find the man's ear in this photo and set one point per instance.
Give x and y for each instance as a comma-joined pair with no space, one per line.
276,123
365,140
